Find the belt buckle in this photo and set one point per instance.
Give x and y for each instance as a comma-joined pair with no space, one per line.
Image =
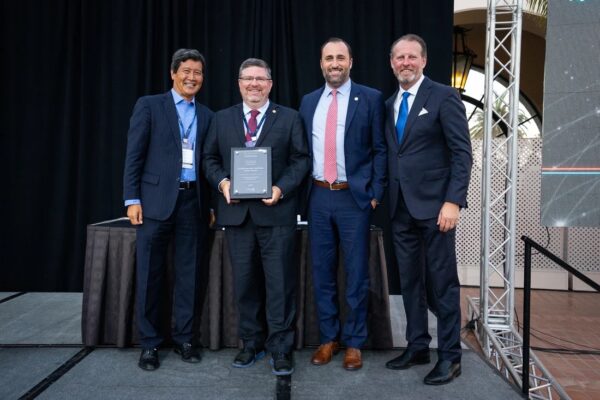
331,186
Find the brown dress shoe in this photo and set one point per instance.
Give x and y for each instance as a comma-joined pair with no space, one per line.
324,353
352,359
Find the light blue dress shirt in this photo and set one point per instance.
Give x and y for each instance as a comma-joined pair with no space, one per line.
186,112
318,131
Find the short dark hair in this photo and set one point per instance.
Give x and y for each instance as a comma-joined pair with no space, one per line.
411,37
254,62
182,55
335,40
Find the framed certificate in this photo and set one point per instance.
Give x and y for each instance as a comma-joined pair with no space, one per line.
251,173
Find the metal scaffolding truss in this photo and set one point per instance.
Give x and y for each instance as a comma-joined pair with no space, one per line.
494,310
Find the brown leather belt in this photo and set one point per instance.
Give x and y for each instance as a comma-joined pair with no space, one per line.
332,186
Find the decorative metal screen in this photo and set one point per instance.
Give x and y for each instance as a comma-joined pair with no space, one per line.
583,250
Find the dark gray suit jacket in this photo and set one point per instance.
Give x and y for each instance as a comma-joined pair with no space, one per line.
282,131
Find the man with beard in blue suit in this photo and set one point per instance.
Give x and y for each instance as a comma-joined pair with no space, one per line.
429,165
163,178
344,126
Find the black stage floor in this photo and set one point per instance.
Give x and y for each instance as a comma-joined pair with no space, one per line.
41,356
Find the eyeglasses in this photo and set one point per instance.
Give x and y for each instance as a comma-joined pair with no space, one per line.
259,79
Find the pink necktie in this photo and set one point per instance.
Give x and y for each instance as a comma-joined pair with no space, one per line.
330,167
252,125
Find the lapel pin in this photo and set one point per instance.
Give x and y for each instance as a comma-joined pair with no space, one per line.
274,111
356,98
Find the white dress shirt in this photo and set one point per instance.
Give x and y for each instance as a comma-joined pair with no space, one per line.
411,99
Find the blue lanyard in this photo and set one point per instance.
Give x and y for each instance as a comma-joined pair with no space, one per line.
257,126
186,132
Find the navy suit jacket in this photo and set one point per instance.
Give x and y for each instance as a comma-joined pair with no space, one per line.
282,131
432,165
364,142
153,160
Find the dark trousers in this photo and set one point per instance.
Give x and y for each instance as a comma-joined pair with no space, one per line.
335,219
427,263
153,238
261,258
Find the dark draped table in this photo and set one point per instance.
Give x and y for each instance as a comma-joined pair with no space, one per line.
108,316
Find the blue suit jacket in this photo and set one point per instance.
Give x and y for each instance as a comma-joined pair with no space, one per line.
364,142
153,159
432,165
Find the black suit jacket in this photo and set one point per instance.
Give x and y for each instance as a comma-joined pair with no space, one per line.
432,165
153,159
282,131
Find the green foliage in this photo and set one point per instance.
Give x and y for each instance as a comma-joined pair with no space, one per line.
500,109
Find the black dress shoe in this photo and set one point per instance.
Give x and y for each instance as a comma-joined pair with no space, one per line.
282,363
408,359
443,372
188,352
247,357
149,359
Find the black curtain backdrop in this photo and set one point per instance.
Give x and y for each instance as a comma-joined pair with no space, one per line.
71,71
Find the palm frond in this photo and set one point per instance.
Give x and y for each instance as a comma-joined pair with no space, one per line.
538,6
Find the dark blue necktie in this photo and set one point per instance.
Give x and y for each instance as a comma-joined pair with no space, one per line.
402,116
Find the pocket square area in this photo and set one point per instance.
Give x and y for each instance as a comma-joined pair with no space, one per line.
423,112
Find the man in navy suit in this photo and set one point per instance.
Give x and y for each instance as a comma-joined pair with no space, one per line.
165,198
429,161
260,233
344,126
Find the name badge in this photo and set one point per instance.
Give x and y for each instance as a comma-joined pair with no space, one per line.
187,158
